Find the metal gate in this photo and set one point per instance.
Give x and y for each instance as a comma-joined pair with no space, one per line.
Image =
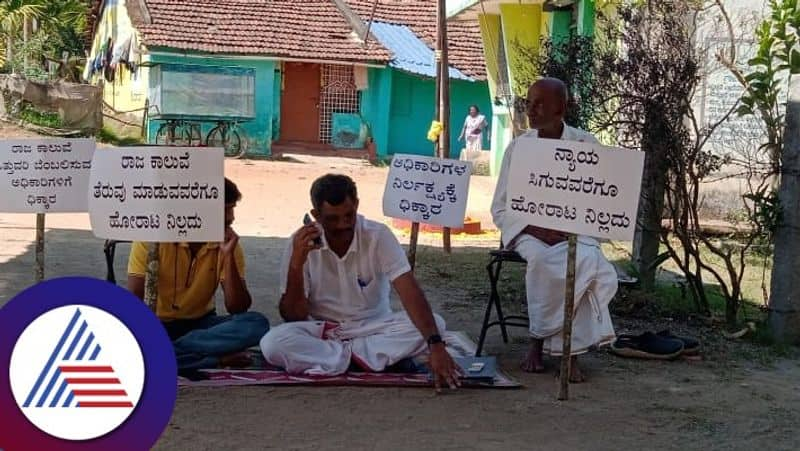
338,95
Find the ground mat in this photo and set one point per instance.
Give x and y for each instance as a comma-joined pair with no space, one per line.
263,374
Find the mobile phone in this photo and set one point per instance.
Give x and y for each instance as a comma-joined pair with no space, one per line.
306,221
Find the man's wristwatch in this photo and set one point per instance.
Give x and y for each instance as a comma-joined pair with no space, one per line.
434,339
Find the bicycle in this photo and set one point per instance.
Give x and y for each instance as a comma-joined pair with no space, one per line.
230,136
178,132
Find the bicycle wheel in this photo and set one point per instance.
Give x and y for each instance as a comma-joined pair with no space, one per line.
162,136
183,136
196,138
228,139
215,137
243,143
235,147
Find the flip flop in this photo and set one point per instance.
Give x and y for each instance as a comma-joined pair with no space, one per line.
647,346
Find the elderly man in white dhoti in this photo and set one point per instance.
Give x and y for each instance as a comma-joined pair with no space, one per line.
546,250
336,277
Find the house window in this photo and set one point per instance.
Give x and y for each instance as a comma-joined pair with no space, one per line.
338,95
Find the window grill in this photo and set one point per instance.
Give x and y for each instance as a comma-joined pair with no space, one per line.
338,95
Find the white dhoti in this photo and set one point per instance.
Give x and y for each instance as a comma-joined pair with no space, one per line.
545,283
326,348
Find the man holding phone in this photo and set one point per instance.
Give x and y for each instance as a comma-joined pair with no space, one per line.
336,276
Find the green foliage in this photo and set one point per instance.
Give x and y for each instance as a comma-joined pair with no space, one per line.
108,136
61,27
777,57
66,25
570,60
41,118
32,50
766,213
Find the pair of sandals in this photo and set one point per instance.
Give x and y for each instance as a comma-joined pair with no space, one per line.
657,346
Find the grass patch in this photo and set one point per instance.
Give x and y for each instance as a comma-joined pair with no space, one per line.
33,116
108,136
673,296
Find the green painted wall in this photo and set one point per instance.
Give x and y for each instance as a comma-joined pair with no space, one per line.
586,17
376,105
276,103
412,109
411,115
259,130
562,21
462,95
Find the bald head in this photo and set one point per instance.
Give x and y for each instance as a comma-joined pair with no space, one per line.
547,104
553,86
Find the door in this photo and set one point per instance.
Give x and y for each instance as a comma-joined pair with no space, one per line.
300,102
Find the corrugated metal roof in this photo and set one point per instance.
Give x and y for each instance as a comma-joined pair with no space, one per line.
411,54
463,36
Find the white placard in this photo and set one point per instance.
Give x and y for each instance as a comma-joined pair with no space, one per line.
576,187
45,175
158,194
428,190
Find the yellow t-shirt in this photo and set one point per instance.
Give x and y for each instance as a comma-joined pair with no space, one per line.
186,287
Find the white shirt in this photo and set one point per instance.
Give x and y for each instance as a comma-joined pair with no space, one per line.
357,286
471,123
511,226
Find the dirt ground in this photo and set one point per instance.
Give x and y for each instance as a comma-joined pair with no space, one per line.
738,397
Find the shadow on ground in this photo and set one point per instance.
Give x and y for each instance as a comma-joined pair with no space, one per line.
628,404
455,283
79,253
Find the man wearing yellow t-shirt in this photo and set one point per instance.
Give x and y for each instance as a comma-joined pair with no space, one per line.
188,277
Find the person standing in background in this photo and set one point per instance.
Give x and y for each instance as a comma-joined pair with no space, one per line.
472,132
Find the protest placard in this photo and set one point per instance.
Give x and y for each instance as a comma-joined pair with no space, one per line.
428,190
45,175
158,194
575,187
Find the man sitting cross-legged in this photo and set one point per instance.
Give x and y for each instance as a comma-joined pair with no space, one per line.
335,296
546,250
188,277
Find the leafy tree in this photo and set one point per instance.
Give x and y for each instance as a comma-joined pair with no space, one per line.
60,25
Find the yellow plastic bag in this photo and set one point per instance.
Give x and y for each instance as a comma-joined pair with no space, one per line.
435,131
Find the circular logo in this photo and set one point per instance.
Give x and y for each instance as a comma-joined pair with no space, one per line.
89,367
84,379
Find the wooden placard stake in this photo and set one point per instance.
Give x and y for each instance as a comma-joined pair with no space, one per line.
412,245
39,247
566,332
151,277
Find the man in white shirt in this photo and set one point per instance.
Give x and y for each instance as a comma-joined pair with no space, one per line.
335,285
546,251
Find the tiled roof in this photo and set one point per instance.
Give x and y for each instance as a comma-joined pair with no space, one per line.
410,53
311,29
465,45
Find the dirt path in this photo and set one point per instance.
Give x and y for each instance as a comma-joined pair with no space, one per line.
727,401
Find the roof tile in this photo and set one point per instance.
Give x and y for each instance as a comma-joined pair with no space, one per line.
313,29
